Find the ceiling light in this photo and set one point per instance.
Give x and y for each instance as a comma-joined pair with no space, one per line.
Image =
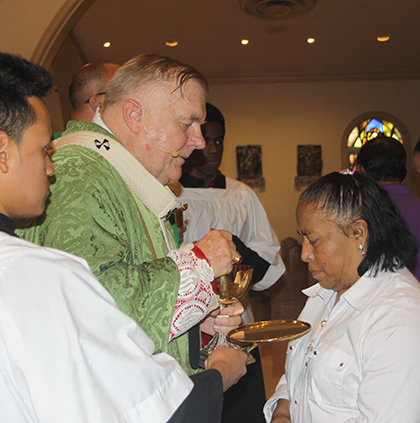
310,40
244,42
383,39
171,43
107,44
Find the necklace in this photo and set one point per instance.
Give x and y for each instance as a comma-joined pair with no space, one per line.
323,322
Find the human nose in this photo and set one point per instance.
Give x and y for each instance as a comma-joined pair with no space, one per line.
211,147
306,255
50,166
197,139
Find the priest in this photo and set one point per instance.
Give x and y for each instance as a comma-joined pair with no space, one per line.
67,353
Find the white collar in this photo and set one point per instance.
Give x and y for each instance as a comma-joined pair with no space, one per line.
159,199
97,119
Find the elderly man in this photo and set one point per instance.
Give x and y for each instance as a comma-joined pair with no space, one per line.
67,353
110,204
88,88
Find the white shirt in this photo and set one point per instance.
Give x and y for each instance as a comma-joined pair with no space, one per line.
67,354
360,362
236,209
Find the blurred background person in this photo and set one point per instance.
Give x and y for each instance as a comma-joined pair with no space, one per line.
417,156
218,202
385,159
88,88
359,363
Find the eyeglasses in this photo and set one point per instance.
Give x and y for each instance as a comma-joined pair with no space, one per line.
87,101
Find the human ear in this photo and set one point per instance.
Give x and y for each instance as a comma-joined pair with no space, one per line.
360,231
133,115
96,101
4,151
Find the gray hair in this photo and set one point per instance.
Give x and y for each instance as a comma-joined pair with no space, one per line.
150,68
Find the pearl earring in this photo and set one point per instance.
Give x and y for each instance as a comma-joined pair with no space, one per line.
362,250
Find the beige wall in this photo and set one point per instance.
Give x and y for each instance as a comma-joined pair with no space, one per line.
36,29
66,63
277,116
284,115
23,23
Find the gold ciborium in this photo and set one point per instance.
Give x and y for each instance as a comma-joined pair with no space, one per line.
230,288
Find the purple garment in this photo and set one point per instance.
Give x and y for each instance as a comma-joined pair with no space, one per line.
409,207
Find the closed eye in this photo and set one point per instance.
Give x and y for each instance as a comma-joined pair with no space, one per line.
186,125
312,242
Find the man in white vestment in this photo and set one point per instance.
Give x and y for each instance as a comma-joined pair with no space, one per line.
216,201
67,354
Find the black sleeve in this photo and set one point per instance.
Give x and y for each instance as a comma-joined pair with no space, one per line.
204,403
251,258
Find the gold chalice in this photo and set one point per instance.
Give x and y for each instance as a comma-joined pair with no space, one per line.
230,288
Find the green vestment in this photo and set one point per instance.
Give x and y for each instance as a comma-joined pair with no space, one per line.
95,215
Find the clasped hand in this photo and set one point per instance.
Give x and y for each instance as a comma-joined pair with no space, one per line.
223,320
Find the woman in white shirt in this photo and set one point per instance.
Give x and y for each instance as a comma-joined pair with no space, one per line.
360,361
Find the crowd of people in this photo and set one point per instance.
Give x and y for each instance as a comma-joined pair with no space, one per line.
105,304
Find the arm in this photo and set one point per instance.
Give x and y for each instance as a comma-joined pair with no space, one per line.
281,414
230,362
277,406
93,215
251,258
224,367
65,331
390,359
204,404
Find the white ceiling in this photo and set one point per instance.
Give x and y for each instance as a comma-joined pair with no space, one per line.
209,34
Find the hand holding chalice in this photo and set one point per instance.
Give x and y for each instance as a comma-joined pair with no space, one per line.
230,288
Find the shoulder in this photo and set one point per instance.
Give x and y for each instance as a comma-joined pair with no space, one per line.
398,300
235,184
45,272
237,187
81,125
405,285
78,166
241,191
15,250
401,194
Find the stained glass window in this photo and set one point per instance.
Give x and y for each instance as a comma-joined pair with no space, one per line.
366,131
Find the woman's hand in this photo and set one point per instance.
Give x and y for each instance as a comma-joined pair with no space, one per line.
281,413
228,319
